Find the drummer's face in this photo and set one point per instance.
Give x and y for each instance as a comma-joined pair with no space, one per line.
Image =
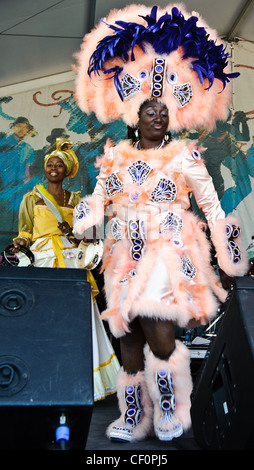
55,169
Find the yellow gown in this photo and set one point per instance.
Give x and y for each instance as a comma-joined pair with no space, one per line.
53,249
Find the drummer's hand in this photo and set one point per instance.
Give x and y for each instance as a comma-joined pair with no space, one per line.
17,243
65,228
91,240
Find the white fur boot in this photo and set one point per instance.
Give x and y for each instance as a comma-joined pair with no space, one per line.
169,383
136,420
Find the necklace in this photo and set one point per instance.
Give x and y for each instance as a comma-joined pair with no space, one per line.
160,146
64,198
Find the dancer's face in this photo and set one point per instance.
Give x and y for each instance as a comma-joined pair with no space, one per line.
153,121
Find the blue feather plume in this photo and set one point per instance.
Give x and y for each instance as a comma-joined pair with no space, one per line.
165,35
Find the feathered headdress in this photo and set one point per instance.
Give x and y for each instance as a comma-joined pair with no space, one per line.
167,54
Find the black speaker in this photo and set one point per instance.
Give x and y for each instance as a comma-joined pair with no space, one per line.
46,371
222,408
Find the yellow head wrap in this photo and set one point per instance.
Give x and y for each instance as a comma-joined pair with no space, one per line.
67,155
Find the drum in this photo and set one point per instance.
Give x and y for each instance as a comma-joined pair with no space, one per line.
8,256
89,254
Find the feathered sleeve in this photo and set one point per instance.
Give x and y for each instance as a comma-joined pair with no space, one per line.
225,230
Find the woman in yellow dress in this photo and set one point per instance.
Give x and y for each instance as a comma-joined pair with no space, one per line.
49,236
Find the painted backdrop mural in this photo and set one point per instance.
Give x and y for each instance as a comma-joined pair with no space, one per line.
31,120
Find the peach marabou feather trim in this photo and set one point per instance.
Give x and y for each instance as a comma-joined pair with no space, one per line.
190,299
195,299
200,254
95,216
98,93
118,264
220,242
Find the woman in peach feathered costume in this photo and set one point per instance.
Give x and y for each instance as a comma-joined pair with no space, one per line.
158,70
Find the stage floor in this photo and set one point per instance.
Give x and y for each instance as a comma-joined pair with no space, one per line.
105,411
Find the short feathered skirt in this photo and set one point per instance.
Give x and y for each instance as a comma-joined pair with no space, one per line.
173,279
